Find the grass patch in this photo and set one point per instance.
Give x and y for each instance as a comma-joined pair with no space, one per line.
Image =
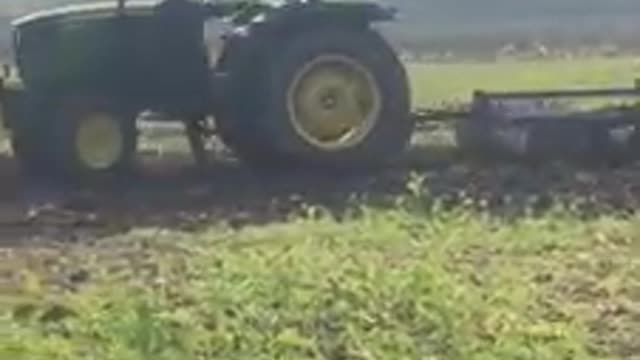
388,284
434,83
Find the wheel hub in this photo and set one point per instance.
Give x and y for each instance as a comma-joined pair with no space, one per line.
333,102
99,141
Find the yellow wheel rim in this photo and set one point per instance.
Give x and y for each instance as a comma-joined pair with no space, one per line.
333,102
99,141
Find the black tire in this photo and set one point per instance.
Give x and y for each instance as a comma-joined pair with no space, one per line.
239,113
255,122
391,131
634,144
28,130
26,152
69,163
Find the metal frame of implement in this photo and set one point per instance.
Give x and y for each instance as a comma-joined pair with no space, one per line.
483,104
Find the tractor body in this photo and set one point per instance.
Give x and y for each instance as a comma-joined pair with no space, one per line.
85,72
86,49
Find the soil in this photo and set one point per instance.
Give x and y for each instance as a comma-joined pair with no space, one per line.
169,192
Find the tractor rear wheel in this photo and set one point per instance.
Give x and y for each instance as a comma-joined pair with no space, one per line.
329,98
239,114
92,139
337,98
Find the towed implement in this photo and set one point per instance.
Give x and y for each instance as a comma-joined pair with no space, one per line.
551,125
296,83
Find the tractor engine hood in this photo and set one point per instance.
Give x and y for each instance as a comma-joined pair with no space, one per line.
88,11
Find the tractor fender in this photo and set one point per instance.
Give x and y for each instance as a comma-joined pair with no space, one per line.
285,19
297,16
262,29
255,33
334,13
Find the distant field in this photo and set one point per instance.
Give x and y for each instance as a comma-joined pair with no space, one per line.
433,83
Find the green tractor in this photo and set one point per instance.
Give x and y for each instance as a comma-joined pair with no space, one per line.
296,83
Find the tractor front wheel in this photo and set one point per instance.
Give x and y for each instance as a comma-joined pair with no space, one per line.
93,139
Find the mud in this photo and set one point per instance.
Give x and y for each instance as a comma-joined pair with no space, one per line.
169,192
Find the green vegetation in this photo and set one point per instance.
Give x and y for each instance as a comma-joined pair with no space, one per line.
411,279
433,83
390,284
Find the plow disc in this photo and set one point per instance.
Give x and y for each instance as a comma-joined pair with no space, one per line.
544,125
